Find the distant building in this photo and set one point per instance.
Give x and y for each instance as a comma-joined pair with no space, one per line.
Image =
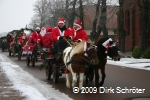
111,25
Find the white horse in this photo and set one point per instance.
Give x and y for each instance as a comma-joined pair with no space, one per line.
75,60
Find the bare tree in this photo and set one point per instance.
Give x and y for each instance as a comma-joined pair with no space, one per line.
72,16
41,8
102,21
33,24
81,13
93,33
69,9
66,8
145,27
121,25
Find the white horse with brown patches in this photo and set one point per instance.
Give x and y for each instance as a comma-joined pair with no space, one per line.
75,60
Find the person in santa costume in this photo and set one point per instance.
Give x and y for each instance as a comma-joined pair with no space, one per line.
36,37
60,33
23,39
79,32
47,39
10,38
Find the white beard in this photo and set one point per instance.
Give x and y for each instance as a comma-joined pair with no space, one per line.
43,32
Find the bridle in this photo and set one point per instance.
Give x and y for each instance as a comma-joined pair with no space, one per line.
88,51
85,57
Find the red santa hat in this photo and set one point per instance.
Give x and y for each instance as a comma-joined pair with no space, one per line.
108,43
48,29
78,23
61,20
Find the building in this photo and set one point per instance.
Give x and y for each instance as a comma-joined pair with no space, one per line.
89,15
132,25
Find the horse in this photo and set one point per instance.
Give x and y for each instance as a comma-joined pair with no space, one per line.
106,47
76,58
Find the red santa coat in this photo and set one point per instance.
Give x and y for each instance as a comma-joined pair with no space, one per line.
57,33
36,37
80,34
10,39
23,40
30,39
47,40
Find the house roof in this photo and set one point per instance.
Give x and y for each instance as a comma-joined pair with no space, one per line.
89,14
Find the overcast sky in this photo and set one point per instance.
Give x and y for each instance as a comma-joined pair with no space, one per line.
15,14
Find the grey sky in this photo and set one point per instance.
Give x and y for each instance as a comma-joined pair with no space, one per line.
15,14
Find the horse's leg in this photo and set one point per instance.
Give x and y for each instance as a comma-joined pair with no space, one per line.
70,77
103,76
91,73
68,80
74,80
86,75
81,80
96,77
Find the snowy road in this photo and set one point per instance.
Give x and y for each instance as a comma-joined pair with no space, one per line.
34,85
31,87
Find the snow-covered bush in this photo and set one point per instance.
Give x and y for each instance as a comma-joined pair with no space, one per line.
137,52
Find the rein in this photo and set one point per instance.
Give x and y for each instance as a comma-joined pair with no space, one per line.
85,59
75,62
71,50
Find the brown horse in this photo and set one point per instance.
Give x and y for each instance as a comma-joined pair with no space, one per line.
112,51
76,59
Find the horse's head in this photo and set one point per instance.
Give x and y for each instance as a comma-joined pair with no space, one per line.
113,52
106,46
92,53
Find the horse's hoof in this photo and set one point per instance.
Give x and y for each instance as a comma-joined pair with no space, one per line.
101,83
68,86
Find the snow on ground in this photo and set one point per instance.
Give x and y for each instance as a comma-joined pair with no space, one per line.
29,85
132,63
